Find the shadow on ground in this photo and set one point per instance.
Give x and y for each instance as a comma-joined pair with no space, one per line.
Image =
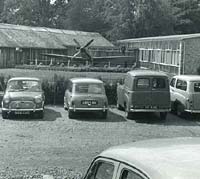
95,117
49,115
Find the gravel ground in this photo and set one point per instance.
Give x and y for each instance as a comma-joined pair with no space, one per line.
64,148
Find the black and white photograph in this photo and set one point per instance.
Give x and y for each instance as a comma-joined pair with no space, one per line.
99,89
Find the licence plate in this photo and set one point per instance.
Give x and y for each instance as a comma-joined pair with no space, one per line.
89,102
22,112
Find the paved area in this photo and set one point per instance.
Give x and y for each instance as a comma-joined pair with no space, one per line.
56,143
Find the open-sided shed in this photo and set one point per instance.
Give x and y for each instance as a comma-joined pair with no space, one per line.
24,44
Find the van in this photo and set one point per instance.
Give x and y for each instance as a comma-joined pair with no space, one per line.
185,94
144,91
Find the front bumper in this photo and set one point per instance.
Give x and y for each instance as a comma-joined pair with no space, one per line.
87,109
21,110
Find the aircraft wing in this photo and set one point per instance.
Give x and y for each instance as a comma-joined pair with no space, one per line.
112,57
60,56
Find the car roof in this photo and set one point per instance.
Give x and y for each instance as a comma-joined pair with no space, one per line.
146,73
85,80
24,78
188,77
161,158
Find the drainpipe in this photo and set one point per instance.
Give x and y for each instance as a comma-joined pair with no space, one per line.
180,60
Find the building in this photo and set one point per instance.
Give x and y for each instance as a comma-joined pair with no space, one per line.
174,54
24,44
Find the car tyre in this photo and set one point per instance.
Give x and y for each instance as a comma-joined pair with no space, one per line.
40,114
179,110
71,114
119,107
104,114
4,115
163,115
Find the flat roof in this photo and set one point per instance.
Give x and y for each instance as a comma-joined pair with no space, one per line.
161,38
188,77
161,158
146,73
85,80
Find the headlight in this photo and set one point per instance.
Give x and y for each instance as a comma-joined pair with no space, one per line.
6,100
38,99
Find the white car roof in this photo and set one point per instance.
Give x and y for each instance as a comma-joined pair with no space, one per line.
24,78
85,80
188,77
176,158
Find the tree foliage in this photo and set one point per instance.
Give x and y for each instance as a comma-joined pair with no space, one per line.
114,19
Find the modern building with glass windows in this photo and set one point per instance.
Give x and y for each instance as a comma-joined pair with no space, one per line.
174,54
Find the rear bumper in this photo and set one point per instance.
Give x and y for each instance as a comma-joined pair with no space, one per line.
150,110
87,109
192,111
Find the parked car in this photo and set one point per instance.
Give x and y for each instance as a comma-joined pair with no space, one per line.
23,96
185,94
144,91
85,95
149,159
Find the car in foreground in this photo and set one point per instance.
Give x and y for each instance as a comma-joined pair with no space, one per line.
185,94
172,158
85,95
144,91
23,96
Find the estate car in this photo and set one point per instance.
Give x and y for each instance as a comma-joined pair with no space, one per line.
173,158
185,94
144,91
85,95
23,96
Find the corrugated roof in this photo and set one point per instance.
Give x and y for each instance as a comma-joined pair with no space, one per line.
162,38
42,37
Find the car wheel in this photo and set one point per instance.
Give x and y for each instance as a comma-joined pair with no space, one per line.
179,110
104,114
4,115
71,114
40,114
127,113
119,107
163,115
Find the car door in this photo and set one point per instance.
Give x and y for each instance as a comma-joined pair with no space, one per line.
128,172
102,168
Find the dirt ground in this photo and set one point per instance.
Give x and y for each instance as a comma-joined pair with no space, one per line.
65,147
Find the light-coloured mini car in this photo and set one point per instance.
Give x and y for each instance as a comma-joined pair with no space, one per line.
175,158
23,96
85,95
185,93
144,91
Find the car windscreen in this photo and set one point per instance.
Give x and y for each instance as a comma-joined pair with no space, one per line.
93,88
24,85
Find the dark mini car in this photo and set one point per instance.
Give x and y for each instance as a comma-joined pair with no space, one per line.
85,95
23,96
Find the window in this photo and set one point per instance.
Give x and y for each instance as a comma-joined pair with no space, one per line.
101,170
182,85
172,83
143,83
158,83
89,88
128,174
197,87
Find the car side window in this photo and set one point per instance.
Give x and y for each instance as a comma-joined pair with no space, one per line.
182,85
142,83
197,87
128,174
101,170
172,83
